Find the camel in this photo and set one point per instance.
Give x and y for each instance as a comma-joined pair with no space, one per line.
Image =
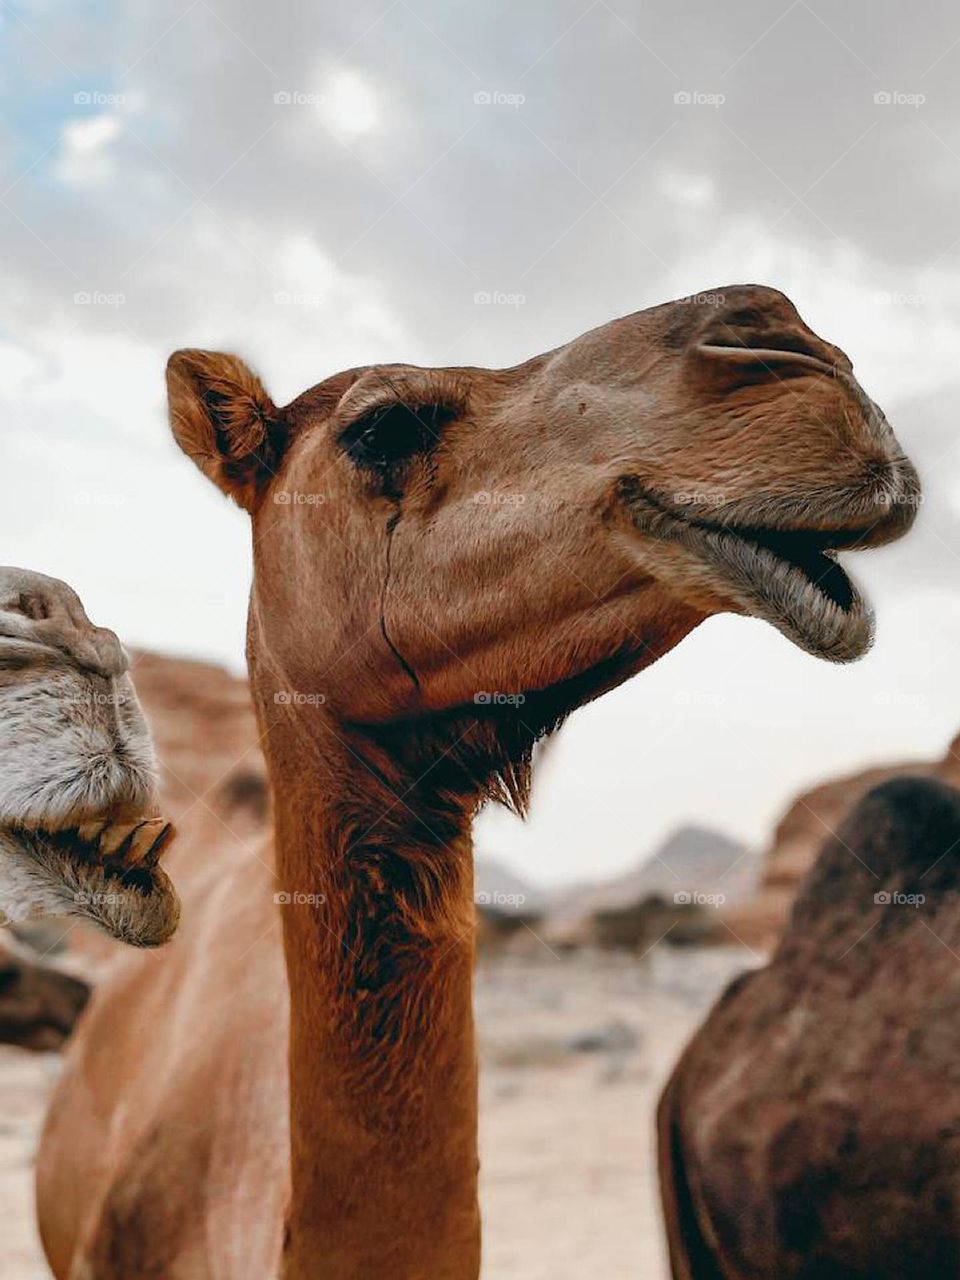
812,1128
38,1003
78,834
447,562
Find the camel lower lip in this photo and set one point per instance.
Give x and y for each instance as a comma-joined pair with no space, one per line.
787,577
798,587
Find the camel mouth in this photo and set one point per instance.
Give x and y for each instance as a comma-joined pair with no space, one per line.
792,579
65,873
789,576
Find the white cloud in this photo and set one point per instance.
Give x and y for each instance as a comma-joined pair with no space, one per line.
18,369
114,377
690,190
350,106
85,149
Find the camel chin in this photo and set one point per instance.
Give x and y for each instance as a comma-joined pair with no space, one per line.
77,783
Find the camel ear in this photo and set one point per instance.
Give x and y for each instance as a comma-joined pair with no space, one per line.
224,420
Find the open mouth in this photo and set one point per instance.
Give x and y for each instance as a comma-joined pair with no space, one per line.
792,579
789,577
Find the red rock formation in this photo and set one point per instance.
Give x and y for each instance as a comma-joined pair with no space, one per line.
799,834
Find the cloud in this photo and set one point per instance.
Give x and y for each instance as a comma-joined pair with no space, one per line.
85,149
350,104
19,368
691,190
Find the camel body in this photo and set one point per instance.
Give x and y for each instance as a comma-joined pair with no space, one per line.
493,549
222,1001
812,1127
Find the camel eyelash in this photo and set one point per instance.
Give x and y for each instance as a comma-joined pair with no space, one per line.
392,433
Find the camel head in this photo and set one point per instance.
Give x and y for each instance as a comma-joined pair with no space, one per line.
73,742
77,771
434,539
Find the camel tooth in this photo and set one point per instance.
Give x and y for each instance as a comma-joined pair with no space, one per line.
141,845
115,839
160,839
90,832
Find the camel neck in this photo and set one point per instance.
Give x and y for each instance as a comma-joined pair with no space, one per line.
377,913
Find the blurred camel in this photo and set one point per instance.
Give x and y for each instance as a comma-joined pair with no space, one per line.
812,1128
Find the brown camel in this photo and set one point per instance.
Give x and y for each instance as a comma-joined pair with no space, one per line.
78,831
811,1130
38,1003
446,563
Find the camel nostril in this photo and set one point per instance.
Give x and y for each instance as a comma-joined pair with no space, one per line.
764,329
33,606
770,349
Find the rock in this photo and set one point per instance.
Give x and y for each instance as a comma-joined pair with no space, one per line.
615,1037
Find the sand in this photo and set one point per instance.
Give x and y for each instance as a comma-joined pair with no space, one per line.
574,1050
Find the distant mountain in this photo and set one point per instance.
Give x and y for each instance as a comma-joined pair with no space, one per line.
693,861
697,860
498,887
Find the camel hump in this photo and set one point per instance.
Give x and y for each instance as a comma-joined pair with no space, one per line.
906,824
900,841
905,819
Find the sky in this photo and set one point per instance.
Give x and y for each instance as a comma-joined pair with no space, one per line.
317,187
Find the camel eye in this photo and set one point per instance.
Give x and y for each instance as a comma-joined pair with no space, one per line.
392,433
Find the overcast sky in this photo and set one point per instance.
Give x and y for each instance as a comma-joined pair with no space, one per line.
319,186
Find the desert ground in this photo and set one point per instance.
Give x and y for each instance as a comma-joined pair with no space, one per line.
574,1049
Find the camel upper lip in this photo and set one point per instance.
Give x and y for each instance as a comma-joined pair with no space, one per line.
788,575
